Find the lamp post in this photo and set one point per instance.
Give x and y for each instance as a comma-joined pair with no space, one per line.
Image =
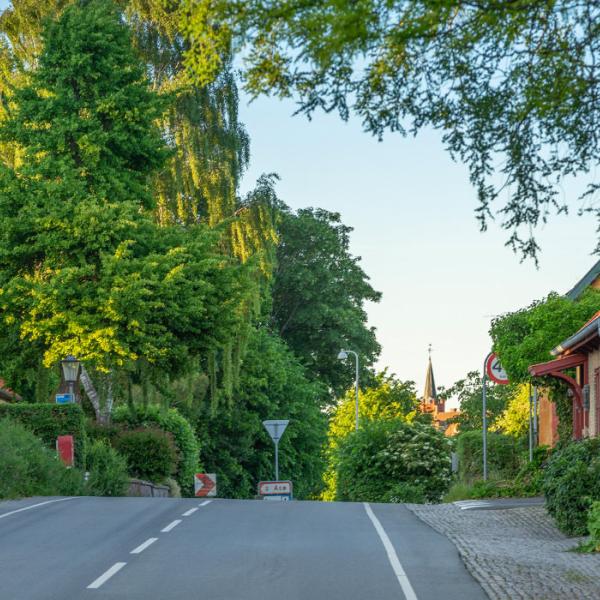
70,369
343,355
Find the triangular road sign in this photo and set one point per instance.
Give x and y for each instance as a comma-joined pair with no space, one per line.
275,429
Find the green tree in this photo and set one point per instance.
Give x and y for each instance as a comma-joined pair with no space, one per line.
84,269
198,182
526,337
319,293
273,385
469,391
512,85
386,399
514,420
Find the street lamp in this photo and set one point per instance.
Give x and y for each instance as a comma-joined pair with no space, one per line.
343,355
70,369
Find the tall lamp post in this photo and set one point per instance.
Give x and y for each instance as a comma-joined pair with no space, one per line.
343,355
70,369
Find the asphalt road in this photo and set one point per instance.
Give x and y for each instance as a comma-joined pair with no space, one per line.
171,549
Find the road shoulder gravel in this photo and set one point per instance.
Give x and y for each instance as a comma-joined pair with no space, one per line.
517,552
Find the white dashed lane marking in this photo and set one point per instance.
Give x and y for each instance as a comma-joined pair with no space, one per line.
143,546
106,576
170,526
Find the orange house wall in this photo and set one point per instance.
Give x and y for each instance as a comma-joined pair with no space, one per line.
547,420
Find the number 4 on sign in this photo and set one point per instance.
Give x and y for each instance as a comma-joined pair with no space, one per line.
495,371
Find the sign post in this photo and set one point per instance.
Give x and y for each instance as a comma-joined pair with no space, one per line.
275,429
493,370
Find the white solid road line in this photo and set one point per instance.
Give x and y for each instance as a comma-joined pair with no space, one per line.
106,576
143,546
187,513
171,526
470,504
407,588
205,503
12,512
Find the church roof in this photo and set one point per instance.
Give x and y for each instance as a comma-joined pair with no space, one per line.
430,393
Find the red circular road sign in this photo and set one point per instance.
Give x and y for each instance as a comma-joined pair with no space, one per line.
494,369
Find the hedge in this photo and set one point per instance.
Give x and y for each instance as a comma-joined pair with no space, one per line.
48,421
572,484
29,468
502,455
178,426
150,453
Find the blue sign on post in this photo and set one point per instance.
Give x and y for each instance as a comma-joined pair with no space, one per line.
63,398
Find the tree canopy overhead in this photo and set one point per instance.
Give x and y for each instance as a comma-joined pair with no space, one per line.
513,86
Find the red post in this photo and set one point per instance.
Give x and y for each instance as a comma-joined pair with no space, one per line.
65,447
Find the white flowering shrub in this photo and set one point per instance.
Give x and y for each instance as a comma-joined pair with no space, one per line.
393,461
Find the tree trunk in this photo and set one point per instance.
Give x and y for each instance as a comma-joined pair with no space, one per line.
91,392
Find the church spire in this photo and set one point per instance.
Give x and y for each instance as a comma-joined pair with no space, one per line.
429,392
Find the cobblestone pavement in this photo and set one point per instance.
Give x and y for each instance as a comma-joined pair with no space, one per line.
516,553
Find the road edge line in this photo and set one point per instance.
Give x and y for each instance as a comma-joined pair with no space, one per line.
401,575
13,512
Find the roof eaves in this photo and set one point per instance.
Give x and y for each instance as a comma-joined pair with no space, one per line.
593,327
584,282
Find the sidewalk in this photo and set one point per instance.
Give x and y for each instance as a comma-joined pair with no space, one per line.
516,553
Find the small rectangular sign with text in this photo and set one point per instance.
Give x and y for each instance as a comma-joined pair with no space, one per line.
63,398
275,488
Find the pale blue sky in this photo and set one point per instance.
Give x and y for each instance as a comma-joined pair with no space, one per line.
412,210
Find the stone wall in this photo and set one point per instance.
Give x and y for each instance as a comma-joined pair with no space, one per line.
147,489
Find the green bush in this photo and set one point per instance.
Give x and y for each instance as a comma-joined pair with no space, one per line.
502,455
405,492
593,524
107,432
47,421
178,426
393,461
107,471
174,489
150,453
572,483
29,468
